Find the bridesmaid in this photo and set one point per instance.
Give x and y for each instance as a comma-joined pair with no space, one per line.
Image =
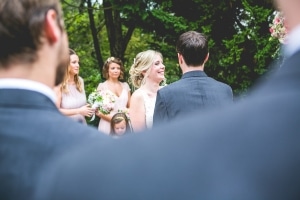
113,71
71,97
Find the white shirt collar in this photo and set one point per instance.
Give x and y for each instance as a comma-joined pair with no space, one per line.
293,42
14,83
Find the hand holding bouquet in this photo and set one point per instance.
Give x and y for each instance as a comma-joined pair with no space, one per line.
104,101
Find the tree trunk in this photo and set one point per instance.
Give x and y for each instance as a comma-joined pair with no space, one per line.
95,37
113,22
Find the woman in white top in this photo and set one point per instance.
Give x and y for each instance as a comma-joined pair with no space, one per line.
71,97
146,74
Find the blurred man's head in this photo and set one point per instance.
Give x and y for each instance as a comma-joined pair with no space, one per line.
28,26
193,46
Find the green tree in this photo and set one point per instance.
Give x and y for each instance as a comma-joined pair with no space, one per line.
238,32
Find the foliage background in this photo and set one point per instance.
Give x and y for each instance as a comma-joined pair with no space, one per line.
238,31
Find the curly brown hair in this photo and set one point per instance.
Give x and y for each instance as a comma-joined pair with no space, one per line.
110,60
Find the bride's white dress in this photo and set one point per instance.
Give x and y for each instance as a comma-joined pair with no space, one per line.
149,103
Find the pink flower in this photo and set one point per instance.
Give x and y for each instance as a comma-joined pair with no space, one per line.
278,28
271,30
104,101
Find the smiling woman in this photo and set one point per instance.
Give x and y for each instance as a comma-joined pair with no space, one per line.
71,97
146,74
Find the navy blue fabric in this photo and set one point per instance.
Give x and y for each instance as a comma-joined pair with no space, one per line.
195,91
32,130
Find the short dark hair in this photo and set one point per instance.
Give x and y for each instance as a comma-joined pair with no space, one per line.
193,46
21,28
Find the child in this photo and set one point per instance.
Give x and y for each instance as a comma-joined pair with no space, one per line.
120,124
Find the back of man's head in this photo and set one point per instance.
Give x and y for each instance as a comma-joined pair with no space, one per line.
21,29
193,46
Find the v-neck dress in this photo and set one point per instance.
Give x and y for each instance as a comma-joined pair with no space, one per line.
120,104
74,99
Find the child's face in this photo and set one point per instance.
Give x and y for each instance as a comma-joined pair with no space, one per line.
120,127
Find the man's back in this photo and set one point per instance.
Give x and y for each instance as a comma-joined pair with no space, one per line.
194,92
32,131
33,60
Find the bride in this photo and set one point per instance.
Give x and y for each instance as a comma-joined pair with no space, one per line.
146,74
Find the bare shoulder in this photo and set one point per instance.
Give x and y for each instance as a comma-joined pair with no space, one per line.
137,95
137,102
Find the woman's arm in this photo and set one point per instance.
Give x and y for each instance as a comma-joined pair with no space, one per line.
137,112
57,91
85,110
103,116
129,98
126,86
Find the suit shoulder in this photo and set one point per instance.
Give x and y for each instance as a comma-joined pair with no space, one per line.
220,82
171,86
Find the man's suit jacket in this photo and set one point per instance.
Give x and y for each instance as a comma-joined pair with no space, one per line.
195,91
31,131
249,150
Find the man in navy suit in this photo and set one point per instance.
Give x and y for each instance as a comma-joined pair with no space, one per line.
195,91
249,150
33,59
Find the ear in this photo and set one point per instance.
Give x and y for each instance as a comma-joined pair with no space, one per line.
144,73
52,30
206,58
180,58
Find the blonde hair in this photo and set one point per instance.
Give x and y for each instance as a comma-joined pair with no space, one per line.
64,85
142,63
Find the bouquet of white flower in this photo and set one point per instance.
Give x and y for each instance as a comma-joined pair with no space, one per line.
278,28
104,101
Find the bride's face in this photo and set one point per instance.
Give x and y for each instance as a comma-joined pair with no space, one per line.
157,70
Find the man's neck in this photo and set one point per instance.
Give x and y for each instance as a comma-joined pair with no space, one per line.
192,68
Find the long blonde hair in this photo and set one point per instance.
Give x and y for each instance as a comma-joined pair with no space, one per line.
64,85
142,63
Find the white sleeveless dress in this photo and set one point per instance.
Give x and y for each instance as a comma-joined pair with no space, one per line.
149,104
